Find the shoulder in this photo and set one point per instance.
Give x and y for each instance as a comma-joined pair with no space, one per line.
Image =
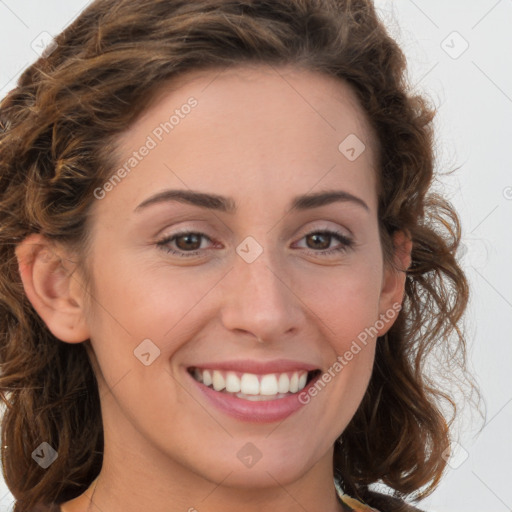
377,502
387,503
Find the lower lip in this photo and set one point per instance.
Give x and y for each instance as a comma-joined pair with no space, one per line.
256,412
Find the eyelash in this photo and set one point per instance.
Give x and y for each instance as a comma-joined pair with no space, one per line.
346,243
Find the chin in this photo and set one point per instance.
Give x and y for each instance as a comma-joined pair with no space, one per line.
251,469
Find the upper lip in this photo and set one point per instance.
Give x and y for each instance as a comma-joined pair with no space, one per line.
257,367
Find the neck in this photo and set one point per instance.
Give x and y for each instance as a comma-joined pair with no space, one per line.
127,488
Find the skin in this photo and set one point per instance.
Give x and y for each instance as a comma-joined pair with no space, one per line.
260,136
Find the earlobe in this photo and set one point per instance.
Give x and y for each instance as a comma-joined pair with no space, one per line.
393,284
52,289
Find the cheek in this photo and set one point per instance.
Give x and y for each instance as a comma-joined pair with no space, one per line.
144,301
346,300
129,308
344,305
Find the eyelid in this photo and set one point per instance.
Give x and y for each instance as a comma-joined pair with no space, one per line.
346,242
331,226
304,232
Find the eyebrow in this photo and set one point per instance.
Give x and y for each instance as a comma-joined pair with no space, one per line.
228,204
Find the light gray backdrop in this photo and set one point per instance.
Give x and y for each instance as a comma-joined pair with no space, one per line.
457,52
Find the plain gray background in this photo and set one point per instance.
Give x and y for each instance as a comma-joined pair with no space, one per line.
459,56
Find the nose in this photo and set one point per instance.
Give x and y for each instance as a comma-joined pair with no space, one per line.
258,301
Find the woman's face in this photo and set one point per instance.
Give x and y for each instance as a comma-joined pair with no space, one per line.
216,257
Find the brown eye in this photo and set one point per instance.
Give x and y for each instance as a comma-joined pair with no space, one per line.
183,244
318,242
188,241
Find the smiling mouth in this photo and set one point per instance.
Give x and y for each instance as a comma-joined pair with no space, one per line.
253,387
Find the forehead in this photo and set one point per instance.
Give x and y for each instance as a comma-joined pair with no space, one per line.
248,130
262,95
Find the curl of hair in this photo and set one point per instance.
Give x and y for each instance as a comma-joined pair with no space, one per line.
58,132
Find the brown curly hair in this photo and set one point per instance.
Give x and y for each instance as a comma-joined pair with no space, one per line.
58,131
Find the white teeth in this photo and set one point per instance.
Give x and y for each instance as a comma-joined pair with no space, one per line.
218,381
251,386
232,383
268,385
261,398
294,383
284,383
207,378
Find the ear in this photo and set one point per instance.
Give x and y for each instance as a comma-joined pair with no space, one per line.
393,282
54,292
